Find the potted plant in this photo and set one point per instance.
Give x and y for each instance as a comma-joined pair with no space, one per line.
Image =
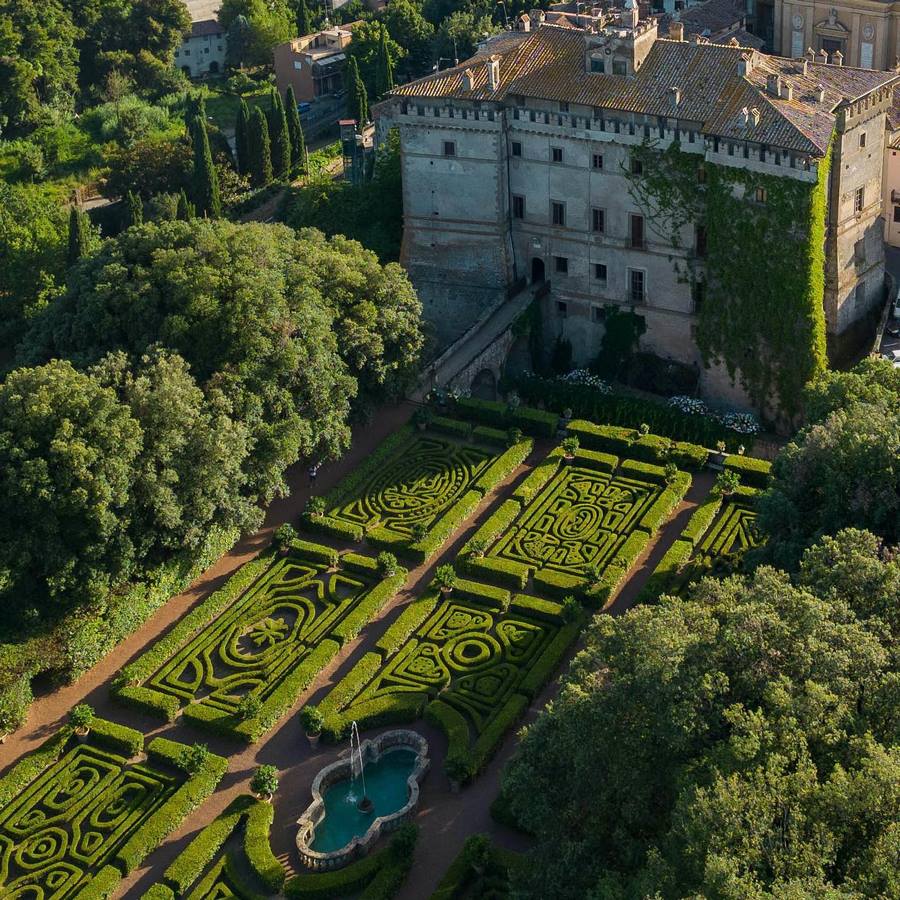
312,720
81,718
570,448
478,547
249,706
387,563
457,772
315,507
264,782
727,483
670,472
445,578
192,759
422,418
644,429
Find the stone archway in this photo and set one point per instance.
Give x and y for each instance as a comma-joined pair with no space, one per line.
214,67
537,270
484,385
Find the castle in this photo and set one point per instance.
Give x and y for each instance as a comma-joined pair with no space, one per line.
527,163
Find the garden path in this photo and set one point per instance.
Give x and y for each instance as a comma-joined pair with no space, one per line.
446,819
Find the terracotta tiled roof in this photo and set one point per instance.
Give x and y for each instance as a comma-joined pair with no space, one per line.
712,17
549,64
206,28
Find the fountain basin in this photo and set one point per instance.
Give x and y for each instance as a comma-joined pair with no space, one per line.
333,830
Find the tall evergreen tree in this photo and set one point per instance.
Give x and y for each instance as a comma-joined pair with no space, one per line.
384,68
241,138
206,179
260,151
195,109
279,136
186,210
79,235
134,209
295,130
357,99
304,19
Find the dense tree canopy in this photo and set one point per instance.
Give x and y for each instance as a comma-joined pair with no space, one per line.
739,744
841,470
261,316
67,454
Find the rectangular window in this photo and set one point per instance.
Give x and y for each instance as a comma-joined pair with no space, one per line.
557,212
600,272
862,140
597,161
518,207
619,67
556,154
562,309
761,196
700,240
859,199
598,220
699,295
637,167
449,148
516,148
598,314
637,232
598,65
897,213
561,265
563,106
636,285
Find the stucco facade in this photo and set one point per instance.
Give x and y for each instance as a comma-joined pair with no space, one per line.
500,190
202,52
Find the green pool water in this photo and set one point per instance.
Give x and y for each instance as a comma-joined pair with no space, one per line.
386,787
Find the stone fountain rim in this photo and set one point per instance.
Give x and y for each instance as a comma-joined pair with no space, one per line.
372,750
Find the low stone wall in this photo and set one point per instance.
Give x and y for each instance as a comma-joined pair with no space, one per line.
341,770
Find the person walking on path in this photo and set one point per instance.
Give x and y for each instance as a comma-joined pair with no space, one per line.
313,472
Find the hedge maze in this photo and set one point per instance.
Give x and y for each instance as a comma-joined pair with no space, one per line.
471,661
570,520
264,640
79,814
418,487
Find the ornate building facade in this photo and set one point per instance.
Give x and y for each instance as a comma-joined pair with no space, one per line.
520,165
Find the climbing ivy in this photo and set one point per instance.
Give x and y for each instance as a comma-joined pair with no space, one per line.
763,273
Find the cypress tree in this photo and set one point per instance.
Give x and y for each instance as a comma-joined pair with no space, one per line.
260,151
357,99
295,130
384,68
279,137
206,179
304,19
241,136
135,209
186,210
79,235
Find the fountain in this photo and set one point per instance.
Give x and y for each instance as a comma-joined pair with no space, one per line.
357,768
371,791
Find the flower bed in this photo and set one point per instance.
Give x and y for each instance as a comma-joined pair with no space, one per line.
238,661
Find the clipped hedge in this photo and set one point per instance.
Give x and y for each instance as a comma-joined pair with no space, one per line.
701,519
356,562
503,466
258,847
385,538
688,456
492,736
538,608
495,524
453,427
543,670
33,764
484,594
643,471
454,726
651,448
316,552
412,616
754,472
145,700
117,738
375,600
445,526
558,584
336,528
539,477
535,421
508,572
595,459
490,412
359,676
608,438
663,576
617,569
665,503
103,884
488,435
159,892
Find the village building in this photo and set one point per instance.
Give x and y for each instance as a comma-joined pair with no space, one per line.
202,52
520,166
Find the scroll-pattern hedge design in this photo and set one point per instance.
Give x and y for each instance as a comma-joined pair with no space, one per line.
259,640
581,517
69,821
413,486
732,533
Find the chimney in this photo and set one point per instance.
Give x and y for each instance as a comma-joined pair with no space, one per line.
631,14
787,91
467,80
773,85
823,56
676,31
523,23
745,64
810,54
674,95
837,58
804,63
754,114
745,116
820,94
493,73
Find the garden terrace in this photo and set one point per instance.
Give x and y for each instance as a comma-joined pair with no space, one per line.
239,661
77,815
470,661
418,487
595,513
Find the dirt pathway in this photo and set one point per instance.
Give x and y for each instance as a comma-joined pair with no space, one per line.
445,819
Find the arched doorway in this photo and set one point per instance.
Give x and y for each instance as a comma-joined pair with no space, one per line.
186,70
484,385
537,270
214,68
